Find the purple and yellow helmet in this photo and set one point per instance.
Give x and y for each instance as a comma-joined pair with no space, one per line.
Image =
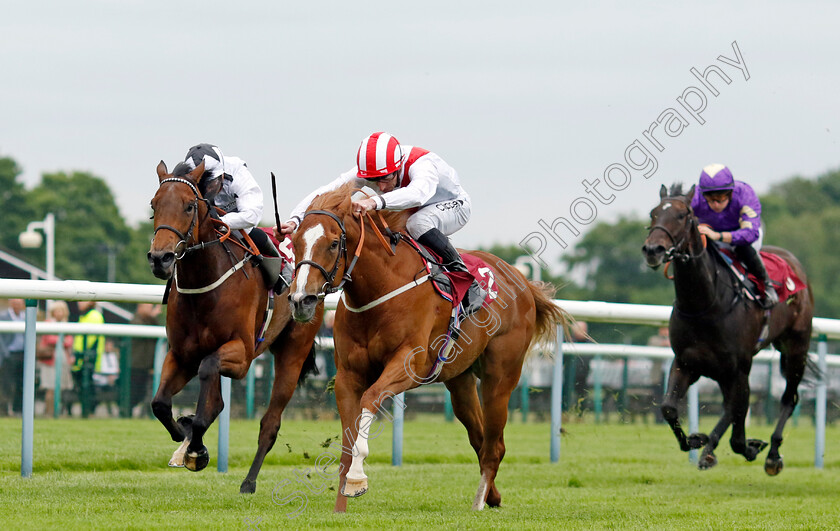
716,178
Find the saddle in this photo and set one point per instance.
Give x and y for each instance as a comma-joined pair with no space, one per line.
782,276
278,271
454,287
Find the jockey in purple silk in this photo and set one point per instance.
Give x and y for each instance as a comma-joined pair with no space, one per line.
732,211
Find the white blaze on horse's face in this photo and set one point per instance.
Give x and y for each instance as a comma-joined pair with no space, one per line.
310,238
666,206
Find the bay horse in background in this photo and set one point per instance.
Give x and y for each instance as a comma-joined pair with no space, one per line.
217,306
390,325
715,332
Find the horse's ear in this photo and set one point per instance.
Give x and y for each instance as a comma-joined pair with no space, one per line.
161,170
689,195
663,192
197,173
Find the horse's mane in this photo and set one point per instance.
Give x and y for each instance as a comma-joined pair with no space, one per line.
334,200
181,170
676,190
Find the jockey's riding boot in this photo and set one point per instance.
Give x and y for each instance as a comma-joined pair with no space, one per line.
270,262
263,243
755,265
440,244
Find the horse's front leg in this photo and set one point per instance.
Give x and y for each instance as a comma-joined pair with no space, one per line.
173,378
292,350
731,390
230,360
394,380
349,387
749,448
678,383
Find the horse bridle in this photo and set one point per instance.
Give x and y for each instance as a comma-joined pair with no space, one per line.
330,286
674,252
184,239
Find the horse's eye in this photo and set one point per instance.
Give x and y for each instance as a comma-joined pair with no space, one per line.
189,208
334,245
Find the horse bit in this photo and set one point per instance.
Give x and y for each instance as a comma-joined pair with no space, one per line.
674,252
329,286
184,239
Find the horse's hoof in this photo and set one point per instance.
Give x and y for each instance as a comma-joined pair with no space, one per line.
754,447
177,459
773,466
248,487
706,462
353,488
197,461
494,499
697,440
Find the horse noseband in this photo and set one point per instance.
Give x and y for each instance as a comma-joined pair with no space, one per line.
330,286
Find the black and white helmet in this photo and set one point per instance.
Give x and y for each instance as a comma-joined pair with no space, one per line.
214,166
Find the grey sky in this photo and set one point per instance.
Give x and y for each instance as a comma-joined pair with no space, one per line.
524,99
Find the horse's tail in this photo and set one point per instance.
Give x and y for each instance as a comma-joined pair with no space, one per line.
309,366
549,315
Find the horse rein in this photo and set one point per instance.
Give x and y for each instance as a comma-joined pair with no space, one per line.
674,252
330,286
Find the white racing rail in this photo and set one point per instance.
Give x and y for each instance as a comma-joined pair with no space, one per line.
583,310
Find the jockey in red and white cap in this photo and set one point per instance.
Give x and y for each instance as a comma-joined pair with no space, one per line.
407,177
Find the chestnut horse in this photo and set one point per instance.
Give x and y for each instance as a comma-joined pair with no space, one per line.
387,341
216,308
715,332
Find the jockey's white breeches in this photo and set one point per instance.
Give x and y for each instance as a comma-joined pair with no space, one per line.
447,216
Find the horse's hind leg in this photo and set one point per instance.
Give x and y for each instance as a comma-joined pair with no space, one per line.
287,367
793,367
678,383
501,370
467,408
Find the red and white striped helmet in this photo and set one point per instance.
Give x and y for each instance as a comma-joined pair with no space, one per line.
379,155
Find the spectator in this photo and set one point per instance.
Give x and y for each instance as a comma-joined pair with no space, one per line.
11,361
105,374
47,352
143,354
87,348
661,338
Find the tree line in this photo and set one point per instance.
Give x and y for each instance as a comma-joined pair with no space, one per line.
90,232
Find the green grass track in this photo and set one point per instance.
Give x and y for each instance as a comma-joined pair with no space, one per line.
107,474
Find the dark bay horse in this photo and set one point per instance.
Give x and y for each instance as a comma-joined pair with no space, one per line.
384,346
217,305
714,333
